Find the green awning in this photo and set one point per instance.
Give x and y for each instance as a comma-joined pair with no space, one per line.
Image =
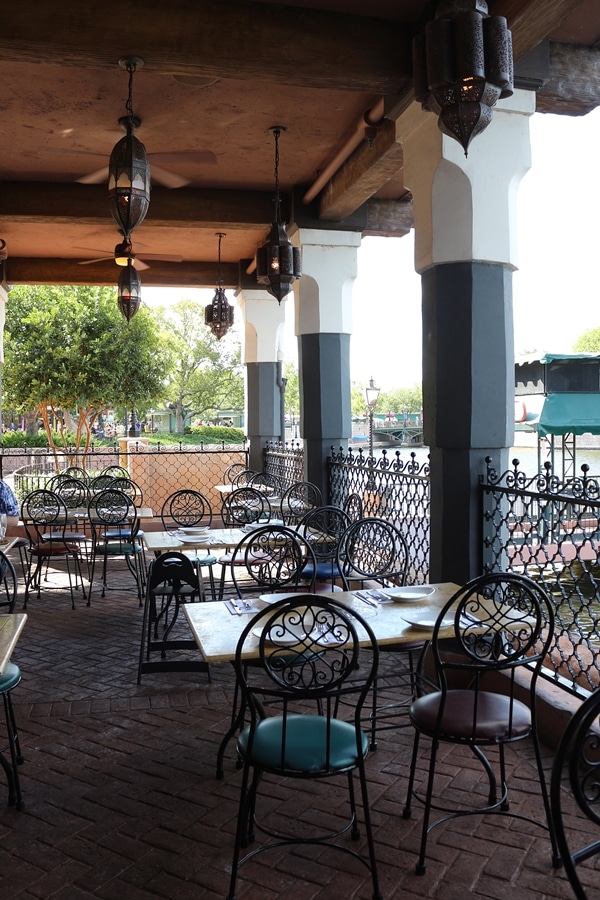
570,414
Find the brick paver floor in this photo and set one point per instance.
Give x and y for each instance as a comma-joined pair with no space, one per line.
122,803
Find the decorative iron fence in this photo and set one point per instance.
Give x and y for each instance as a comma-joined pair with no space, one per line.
392,488
158,470
549,530
285,461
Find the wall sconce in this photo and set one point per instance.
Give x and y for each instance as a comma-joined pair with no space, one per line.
129,292
218,315
278,264
462,65
128,168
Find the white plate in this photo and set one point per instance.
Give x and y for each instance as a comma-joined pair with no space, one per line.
286,639
190,538
427,623
408,594
198,529
274,598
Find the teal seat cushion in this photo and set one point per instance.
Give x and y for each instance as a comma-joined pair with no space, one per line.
10,678
305,744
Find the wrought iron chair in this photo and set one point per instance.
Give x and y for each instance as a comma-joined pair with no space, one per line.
233,470
8,578
9,680
269,483
373,552
245,506
243,478
306,655
172,580
323,528
353,507
577,762
270,559
101,482
115,471
45,518
77,472
112,511
499,623
186,509
298,500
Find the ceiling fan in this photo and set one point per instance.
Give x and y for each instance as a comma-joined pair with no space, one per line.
157,160
123,255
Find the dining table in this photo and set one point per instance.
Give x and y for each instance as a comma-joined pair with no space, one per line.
216,627
183,539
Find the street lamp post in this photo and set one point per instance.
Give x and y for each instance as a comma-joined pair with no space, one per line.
371,397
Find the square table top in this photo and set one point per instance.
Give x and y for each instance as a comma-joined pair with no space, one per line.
161,541
11,627
216,631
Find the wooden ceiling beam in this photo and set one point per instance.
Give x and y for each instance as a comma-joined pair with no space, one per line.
573,85
371,165
42,203
32,270
212,39
531,21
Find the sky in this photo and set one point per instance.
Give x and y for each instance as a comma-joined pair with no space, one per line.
556,290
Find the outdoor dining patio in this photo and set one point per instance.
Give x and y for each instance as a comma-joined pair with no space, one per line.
121,799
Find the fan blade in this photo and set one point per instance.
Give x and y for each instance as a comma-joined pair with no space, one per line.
161,257
167,179
140,265
96,177
89,262
207,157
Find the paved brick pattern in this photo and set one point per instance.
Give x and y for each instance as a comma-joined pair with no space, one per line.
121,800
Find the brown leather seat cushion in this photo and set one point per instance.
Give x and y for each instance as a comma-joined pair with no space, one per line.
457,721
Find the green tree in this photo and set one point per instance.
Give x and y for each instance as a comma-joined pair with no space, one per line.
69,352
589,342
205,374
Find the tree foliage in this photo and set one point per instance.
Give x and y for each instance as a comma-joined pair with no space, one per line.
205,374
68,351
589,342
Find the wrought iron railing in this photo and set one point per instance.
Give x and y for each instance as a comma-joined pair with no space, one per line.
549,530
159,470
285,461
392,488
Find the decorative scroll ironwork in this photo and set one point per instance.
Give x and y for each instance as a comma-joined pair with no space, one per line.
285,461
391,487
550,530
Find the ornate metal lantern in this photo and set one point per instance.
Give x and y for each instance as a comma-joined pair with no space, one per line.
278,264
462,65
129,292
128,168
218,315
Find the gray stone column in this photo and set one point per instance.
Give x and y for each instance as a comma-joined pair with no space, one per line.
323,323
465,215
262,355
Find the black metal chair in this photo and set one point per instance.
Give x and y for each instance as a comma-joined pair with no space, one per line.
374,552
186,509
271,559
576,774
113,512
353,507
307,656
9,679
172,579
232,470
323,528
8,580
45,518
245,506
298,500
499,623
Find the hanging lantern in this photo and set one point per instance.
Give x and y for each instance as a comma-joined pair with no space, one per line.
462,65
128,168
278,264
129,294
218,315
